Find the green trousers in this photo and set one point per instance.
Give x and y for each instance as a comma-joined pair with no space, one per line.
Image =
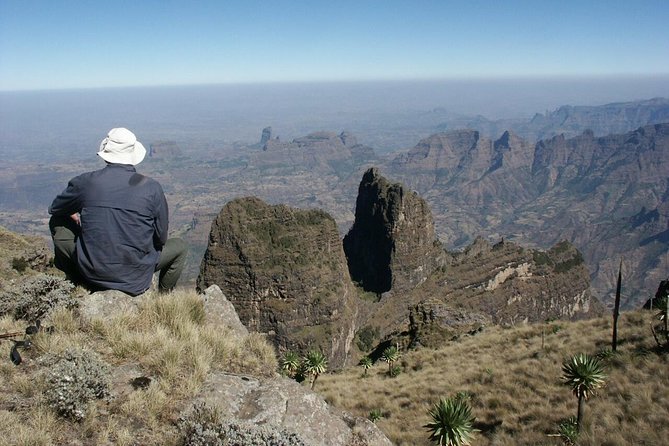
64,233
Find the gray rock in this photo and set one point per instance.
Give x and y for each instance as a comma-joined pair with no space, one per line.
104,304
285,404
219,310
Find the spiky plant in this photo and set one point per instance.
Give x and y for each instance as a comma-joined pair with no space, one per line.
584,374
390,355
366,364
290,363
315,364
452,422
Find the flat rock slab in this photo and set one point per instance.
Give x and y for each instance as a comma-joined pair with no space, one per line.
104,304
285,404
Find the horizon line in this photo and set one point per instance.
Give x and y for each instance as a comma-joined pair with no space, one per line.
473,79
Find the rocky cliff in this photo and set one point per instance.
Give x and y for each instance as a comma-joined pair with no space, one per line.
606,195
392,244
489,284
285,272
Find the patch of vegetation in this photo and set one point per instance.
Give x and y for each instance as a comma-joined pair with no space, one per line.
366,338
36,296
509,378
541,258
568,431
204,426
565,266
75,378
20,264
452,422
375,415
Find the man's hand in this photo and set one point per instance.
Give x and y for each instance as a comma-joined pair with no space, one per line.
76,218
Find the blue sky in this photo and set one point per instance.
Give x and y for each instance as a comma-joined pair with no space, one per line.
81,44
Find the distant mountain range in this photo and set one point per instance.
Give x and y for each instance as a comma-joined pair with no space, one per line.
571,120
607,195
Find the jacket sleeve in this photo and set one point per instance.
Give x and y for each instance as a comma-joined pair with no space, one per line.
161,223
69,201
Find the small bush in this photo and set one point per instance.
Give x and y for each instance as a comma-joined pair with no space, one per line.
36,296
20,264
75,378
395,371
375,415
204,426
366,338
568,431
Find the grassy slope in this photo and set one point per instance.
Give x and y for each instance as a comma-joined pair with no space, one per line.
167,340
517,395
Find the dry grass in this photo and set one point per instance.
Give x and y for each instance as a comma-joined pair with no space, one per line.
515,387
167,339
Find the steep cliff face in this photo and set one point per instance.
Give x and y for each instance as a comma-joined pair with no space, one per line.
606,195
501,284
392,244
285,272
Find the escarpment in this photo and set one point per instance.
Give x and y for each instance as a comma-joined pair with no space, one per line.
285,272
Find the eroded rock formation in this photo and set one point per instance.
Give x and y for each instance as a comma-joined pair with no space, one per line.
285,272
392,244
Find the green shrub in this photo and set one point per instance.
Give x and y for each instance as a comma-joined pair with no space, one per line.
366,338
20,264
375,415
395,371
568,430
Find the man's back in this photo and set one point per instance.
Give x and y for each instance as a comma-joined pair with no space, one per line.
109,227
123,226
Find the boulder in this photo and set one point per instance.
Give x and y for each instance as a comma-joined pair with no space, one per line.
220,311
283,403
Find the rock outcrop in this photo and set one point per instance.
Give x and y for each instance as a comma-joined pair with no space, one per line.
513,284
392,244
326,152
164,149
265,136
284,404
606,195
489,284
285,272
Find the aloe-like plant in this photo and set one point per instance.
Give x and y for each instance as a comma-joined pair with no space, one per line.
366,364
452,422
584,374
315,364
390,355
290,363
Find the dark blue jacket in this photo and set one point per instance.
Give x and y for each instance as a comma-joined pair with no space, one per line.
124,222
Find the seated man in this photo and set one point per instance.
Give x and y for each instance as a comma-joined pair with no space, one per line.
109,227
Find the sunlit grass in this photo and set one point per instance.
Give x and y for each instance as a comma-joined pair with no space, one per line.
516,392
167,338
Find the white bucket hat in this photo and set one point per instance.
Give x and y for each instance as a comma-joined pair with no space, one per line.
121,147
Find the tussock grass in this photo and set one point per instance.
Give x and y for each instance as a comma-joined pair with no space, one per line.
515,386
167,339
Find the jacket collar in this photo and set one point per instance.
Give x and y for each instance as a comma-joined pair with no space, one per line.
127,167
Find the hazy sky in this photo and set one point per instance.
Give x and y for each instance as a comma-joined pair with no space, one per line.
54,44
